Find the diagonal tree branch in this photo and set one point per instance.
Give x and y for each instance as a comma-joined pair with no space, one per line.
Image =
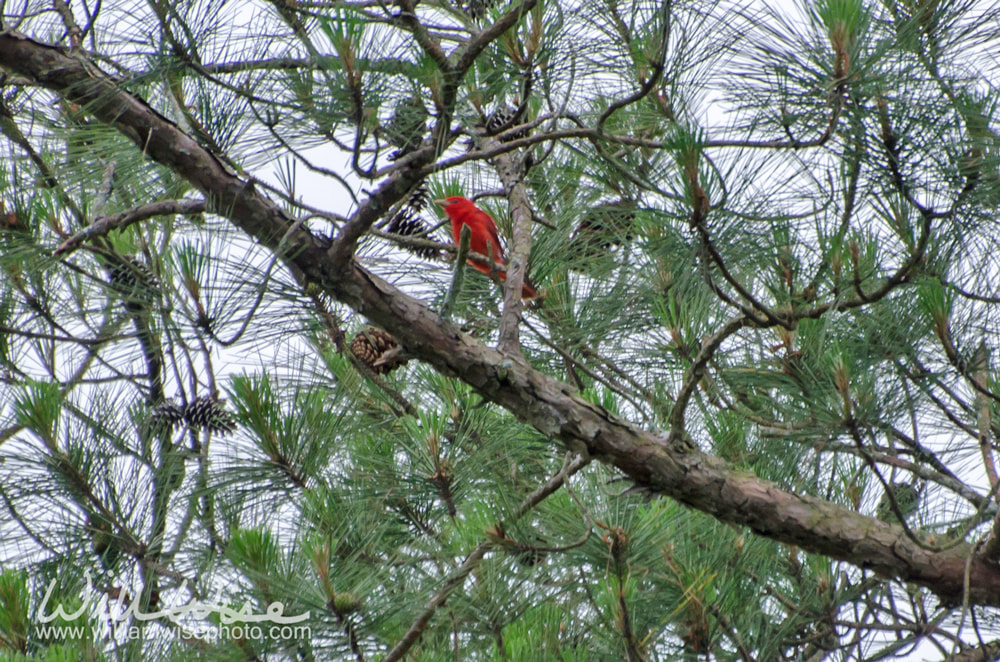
699,480
122,220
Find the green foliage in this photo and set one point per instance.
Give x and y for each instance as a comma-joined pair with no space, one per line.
255,552
14,623
37,407
846,21
56,653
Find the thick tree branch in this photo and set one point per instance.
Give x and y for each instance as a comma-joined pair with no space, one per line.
984,653
698,480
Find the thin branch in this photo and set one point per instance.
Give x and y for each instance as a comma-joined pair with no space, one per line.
303,160
457,578
98,340
468,54
104,225
72,29
770,318
658,65
431,46
613,386
696,371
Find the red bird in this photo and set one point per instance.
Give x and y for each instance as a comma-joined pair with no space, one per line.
485,239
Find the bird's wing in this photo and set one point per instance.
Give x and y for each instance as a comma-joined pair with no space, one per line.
494,236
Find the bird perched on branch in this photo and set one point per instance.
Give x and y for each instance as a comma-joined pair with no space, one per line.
485,239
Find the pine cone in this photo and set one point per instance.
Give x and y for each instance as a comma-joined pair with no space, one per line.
476,9
208,413
408,223
166,415
134,281
406,127
907,498
607,224
419,198
132,276
378,350
502,119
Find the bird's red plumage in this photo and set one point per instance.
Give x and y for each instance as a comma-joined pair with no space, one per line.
484,239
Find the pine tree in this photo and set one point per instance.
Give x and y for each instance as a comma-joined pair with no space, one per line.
750,417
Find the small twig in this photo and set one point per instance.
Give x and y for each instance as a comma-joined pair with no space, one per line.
770,317
853,429
658,65
429,44
302,159
902,275
72,29
632,645
261,288
967,578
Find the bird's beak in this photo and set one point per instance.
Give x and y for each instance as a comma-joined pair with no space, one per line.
442,202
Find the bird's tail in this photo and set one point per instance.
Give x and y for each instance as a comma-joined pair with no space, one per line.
527,290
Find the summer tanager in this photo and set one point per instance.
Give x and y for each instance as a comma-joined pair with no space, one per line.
484,240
